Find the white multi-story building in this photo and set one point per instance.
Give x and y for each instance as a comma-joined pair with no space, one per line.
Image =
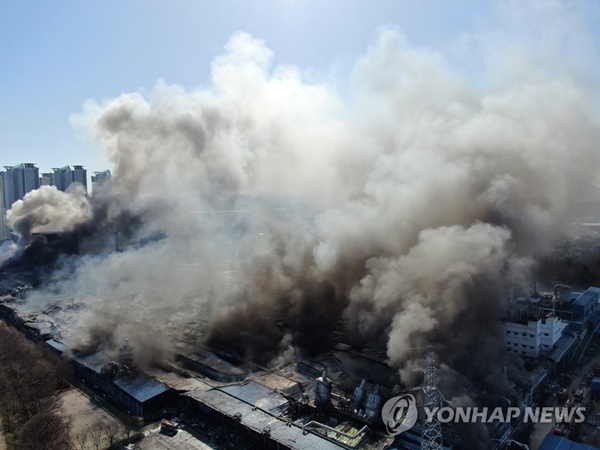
531,336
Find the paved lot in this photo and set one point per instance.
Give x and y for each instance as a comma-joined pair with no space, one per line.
84,414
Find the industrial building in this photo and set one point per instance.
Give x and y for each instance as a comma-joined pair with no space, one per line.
134,391
118,382
559,325
531,335
333,401
292,409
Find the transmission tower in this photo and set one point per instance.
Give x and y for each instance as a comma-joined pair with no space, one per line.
432,430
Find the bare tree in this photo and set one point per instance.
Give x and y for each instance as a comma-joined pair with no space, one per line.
97,435
81,441
49,431
29,381
112,430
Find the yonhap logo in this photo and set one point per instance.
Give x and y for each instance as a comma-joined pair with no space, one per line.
399,414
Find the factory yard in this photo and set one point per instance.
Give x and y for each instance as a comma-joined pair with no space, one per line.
89,422
86,416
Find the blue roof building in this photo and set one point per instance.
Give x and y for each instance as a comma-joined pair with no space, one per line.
552,442
135,391
585,304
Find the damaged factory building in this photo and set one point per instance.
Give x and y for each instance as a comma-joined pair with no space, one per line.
310,404
330,401
132,390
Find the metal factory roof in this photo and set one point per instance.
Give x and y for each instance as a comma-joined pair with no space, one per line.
561,347
137,384
552,442
140,386
281,384
211,360
257,395
94,361
286,433
58,346
178,382
589,295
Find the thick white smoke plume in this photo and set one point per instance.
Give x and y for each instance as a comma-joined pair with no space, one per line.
49,210
399,213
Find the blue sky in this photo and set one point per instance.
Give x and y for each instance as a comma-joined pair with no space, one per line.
56,55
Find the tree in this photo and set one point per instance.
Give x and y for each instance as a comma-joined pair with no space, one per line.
112,431
81,441
48,431
97,435
30,380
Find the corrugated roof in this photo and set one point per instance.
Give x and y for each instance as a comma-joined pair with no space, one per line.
257,395
285,433
589,295
561,347
178,382
211,360
59,346
94,361
140,386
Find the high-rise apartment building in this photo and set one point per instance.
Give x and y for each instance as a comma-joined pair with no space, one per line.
101,180
15,182
4,232
46,179
63,177
18,181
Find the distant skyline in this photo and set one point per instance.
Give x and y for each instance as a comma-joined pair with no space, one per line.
58,55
